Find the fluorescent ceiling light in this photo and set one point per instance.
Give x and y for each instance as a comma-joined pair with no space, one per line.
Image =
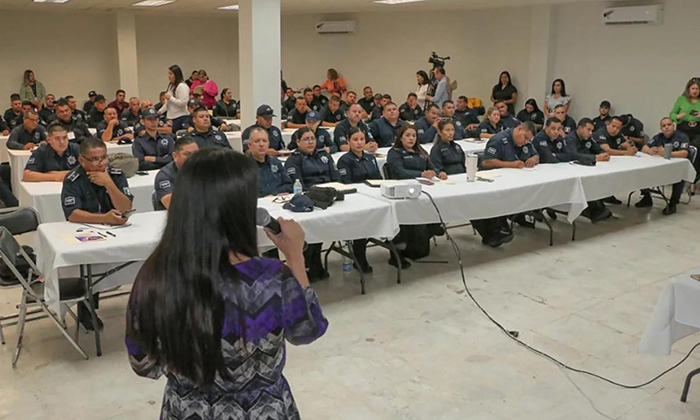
51,1
231,7
395,1
152,3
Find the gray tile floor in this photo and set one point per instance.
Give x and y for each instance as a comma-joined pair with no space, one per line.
422,350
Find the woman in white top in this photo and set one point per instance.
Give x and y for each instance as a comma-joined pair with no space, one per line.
423,85
557,97
176,97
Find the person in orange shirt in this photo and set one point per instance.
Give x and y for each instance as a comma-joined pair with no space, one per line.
335,85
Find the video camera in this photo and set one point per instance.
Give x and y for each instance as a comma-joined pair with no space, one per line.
436,60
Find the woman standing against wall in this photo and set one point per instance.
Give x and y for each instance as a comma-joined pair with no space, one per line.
176,96
505,91
558,96
423,86
32,90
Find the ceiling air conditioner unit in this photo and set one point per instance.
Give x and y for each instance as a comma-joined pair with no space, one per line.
640,15
336,27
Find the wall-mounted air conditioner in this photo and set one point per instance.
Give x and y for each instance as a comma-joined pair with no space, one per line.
639,15
336,27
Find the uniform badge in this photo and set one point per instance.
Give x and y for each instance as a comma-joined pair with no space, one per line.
343,139
491,150
274,169
675,144
525,149
126,191
421,131
164,141
415,112
632,128
120,132
71,160
275,134
342,171
164,184
31,159
217,137
588,145
543,143
559,145
324,159
69,201
619,141
37,135
291,170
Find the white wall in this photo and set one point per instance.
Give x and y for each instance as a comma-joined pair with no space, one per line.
388,48
640,69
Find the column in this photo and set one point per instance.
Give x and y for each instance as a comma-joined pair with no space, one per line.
127,57
542,52
260,61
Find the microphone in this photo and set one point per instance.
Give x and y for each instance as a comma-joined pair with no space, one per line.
263,219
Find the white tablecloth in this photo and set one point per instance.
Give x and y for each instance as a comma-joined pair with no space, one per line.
4,158
19,158
677,315
45,197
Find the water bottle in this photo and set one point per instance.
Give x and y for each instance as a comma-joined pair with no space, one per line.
347,262
297,187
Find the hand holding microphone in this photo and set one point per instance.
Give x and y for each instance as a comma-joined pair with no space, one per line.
287,235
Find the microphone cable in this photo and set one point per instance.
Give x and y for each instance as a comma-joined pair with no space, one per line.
514,335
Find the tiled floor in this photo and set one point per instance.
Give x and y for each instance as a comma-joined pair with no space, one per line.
422,350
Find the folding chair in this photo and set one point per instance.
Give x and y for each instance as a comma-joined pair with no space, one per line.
157,205
71,291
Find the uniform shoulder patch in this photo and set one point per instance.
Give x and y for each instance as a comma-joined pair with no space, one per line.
115,171
69,201
164,184
73,176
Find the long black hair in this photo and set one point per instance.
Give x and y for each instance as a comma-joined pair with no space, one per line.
176,311
424,75
510,80
563,86
223,93
533,102
179,78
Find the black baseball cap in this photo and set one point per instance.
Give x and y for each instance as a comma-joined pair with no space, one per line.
99,98
192,103
265,111
605,104
92,93
149,113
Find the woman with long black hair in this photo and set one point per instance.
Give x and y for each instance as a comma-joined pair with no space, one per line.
176,96
556,97
532,112
505,91
423,87
226,107
208,312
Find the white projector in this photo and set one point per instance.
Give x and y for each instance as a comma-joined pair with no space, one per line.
401,190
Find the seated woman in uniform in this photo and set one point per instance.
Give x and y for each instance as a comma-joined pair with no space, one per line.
311,166
491,124
532,112
446,155
408,160
358,166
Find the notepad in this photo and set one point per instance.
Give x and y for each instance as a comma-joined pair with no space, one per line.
487,174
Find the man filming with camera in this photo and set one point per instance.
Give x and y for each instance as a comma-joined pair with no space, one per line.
441,91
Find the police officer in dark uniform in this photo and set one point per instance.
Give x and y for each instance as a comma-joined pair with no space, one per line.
27,135
551,145
341,133
319,101
367,100
113,129
604,116
311,166
633,130
507,120
467,116
188,123
4,128
508,149
568,123
132,115
680,144
426,126
290,100
153,149
48,112
13,115
96,114
378,110
78,114
612,141
323,137
95,193
297,117
77,130
410,110
226,107
272,178
358,166
52,161
446,155
165,178
90,103
333,114
448,113
263,119
491,125
204,134
384,129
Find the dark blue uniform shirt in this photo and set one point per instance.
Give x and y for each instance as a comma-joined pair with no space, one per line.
323,140
165,180
425,131
313,169
552,151
20,136
407,165
407,113
45,159
211,138
448,157
485,127
603,137
273,134
273,178
384,133
161,147
503,147
80,194
341,132
353,169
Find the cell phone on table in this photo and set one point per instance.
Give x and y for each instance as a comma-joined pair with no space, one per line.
128,213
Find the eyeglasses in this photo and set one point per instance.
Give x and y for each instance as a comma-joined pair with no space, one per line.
308,140
97,159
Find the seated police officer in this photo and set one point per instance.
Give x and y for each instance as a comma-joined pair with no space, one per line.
410,110
350,98
551,145
272,178
581,143
52,161
75,127
13,115
188,122
153,149
297,117
353,167
165,126
612,141
507,120
603,116
48,111
680,144
289,101
204,134
448,113
568,124
367,100
491,125
94,193
385,128
78,114
319,99
28,135
467,116
381,102
311,166
226,107
263,119
341,133
90,103
507,149
165,178
112,129
96,114
633,130
323,137
132,114
426,126
332,113
446,155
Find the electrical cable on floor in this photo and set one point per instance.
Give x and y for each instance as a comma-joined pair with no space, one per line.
513,335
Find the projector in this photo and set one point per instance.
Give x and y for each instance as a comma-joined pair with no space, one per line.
401,190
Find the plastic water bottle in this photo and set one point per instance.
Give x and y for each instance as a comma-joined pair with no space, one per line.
297,187
347,262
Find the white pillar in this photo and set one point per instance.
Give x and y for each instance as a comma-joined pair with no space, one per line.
127,57
260,61
542,55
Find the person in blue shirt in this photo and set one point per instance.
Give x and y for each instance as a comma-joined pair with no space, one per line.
263,119
446,155
551,145
507,120
568,123
448,113
384,129
272,178
441,91
323,137
680,146
354,120
410,110
203,132
27,135
491,125
153,149
165,178
52,161
426,126
353,167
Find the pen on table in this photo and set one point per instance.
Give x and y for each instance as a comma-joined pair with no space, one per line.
102,234
110,233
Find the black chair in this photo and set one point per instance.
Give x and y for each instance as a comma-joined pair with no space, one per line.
157,205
